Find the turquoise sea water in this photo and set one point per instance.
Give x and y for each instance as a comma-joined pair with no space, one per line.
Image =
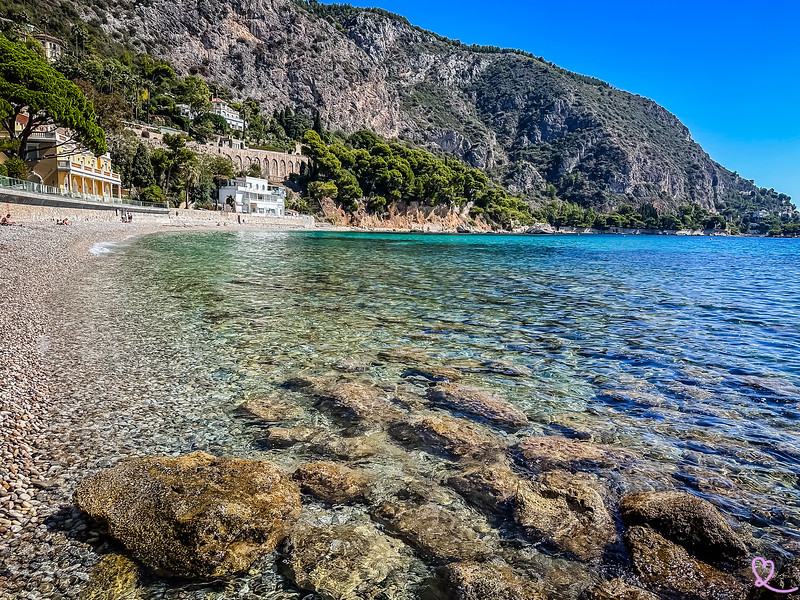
683,350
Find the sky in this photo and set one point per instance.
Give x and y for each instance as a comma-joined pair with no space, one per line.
730,71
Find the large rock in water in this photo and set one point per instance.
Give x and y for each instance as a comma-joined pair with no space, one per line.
193,516
478,402
687,520
543,453
436,534
332,483
450,436
616,589
483,581
490,486
568,511
670,570
344,562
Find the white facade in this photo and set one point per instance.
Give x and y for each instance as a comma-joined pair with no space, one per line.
53,47
254,196
187,112
223,109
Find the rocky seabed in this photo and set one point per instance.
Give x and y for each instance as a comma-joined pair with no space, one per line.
127,478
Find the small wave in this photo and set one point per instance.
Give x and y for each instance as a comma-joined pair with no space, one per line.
101,248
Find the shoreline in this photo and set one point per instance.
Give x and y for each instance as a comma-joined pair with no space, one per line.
40,260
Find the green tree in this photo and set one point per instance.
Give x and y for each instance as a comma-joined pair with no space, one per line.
194,92
152,194
16,168
349,192
191,177
31,86
215,124
141,173
254,170
322,189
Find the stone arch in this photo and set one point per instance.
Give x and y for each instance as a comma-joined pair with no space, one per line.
256,161
291,167
282,173
249,160
238,162
34,177
274,171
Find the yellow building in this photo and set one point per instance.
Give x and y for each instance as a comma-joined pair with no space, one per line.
53,160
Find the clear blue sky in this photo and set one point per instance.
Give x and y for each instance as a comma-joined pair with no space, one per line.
729,70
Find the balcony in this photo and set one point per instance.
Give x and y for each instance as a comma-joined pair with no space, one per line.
7,183
79,169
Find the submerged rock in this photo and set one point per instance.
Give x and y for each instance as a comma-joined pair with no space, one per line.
343,562
271,410
543,453
484,581
357,402
451,436
669,569
193,516
568,511
478,402
489,486
431,373
285,437
616,589
332,483
687,520
115,577
436,534
351,448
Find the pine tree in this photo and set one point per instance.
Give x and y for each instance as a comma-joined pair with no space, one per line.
141,174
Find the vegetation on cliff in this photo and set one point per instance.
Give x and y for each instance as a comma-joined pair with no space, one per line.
541,134
364,171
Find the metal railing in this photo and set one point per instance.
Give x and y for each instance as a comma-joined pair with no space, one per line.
10,183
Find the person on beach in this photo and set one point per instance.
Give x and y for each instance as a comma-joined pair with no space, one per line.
7,220
130,217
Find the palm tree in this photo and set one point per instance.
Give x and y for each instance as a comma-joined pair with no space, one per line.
191,177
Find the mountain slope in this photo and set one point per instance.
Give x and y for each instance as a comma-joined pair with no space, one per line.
533,126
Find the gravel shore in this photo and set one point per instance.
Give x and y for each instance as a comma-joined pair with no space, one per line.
38,260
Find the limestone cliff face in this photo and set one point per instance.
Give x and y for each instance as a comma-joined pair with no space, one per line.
526,121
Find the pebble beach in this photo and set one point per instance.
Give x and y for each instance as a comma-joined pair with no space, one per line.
39,260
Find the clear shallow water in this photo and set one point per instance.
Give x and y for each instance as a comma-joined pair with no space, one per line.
684,350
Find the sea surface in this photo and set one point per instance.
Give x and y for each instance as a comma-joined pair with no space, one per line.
682,350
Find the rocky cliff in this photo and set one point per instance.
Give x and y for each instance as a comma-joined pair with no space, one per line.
529,123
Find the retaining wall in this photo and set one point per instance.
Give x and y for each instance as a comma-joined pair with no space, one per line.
26,207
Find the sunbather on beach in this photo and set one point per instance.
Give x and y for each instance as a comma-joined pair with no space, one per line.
7,220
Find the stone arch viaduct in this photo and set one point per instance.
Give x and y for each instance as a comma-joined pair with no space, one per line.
275,166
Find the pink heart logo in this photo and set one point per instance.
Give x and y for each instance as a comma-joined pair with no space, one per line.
762,564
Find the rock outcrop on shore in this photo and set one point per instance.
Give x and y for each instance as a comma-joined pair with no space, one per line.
193,516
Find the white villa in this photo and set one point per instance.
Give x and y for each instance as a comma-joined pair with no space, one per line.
222,108
254,196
